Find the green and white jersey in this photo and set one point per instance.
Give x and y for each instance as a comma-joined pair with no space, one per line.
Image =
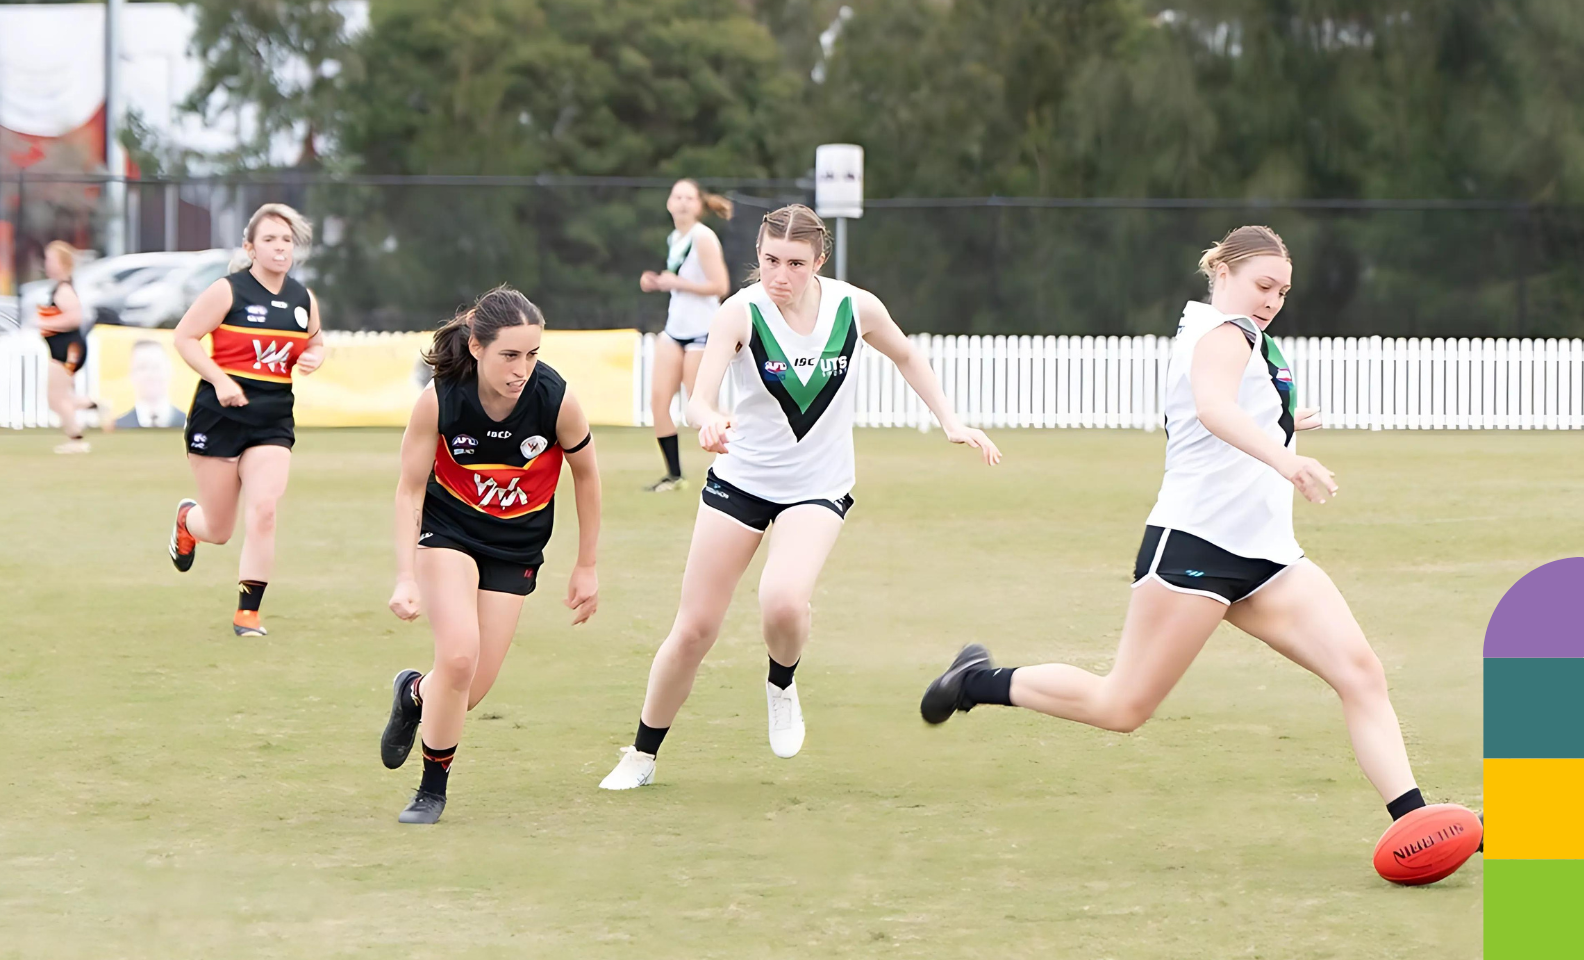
791,437
689,314
1212,489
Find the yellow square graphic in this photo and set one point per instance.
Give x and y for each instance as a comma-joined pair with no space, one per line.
1534,809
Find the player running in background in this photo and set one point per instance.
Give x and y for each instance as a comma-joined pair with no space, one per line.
1219,543
474,506
696,277
790,342
264,327
60,321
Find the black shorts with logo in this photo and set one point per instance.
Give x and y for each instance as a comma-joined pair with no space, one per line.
69,349
211,433
495,575
757,513
1189,564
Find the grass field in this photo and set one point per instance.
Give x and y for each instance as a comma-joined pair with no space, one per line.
176,792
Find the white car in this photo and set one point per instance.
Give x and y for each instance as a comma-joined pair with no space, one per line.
162,302
103,284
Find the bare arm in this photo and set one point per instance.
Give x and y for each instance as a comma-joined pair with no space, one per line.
417,459
882,333
572,428
713,259
1219,359
728,333
201,319
70,307
312,355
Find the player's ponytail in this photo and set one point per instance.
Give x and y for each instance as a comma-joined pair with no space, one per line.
711,202
1241,244
451,354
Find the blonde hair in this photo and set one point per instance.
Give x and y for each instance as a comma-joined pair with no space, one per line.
1239,245
712,202
301,231
793,222
65,251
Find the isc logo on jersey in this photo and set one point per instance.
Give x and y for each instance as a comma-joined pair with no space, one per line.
775,370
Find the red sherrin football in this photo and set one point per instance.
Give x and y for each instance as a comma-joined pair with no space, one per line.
1428,844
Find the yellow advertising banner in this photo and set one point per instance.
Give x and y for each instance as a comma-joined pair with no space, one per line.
367,380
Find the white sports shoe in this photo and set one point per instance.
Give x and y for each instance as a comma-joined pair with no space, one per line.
632,771
786,720
73,446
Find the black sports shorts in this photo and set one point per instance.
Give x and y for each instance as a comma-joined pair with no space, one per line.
210,433
757,513
69,349
495,575
1189,564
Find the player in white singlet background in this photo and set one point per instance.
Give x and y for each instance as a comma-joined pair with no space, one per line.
1219,543
790,343
696,277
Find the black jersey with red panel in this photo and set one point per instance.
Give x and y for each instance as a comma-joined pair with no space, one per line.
257,345
493,484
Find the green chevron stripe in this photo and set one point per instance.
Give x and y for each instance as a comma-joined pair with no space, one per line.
803,394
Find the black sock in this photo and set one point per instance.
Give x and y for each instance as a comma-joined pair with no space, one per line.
1405,804
673,456
437,767
988,686
250,593
649,738
781,676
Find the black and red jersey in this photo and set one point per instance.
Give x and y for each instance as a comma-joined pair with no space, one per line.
493,484
257,345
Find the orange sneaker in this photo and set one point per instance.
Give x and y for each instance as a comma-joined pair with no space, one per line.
183,545
246,624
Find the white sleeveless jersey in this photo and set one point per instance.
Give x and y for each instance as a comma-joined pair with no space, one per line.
1212,489
792,432
690,314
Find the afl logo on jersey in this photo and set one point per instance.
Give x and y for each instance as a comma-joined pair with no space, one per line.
775,369
534,446
257,313
301,316
462,445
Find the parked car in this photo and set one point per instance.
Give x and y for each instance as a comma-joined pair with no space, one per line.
9,320
103,284
162,302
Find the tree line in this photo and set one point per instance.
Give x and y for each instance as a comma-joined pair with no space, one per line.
1250,102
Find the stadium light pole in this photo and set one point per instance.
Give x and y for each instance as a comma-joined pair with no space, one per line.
115,155
838,191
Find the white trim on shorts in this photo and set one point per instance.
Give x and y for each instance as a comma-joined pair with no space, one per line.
1160,548
1270,579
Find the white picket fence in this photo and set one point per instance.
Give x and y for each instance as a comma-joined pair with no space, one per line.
1370,383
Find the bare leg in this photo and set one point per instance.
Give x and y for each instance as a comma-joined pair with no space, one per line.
800,542
448,590
63,400
497,620
667,377
263,471
1163,633
718,556
690,367
219,487
1303,616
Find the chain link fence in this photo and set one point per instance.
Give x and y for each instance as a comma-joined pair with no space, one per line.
401,253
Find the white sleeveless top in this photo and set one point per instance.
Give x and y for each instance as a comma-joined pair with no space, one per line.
791,437
690,314
1212,489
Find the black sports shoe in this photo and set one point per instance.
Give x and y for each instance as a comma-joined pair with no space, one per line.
183,545
943,697
1482,834
402,728
425,807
